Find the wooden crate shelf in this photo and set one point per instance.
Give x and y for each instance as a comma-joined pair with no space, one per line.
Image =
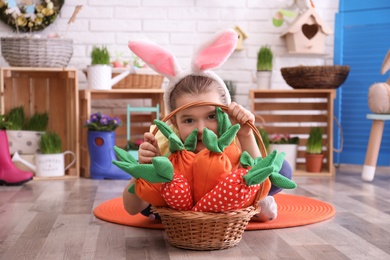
51,90
139,123
295,112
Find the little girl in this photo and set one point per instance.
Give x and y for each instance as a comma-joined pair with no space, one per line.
199,84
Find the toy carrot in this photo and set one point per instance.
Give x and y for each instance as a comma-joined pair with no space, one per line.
147,191
181,154
212,165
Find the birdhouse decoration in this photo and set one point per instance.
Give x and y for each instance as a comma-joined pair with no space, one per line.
307,34
241,37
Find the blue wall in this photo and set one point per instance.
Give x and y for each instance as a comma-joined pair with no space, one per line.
362,40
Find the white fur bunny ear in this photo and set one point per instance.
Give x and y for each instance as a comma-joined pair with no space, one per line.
159,59
213,53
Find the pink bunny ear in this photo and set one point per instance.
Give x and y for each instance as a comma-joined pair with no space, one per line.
216,51
158,58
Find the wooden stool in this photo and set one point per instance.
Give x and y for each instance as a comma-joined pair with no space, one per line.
374,144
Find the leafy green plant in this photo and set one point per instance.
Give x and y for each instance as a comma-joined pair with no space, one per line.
50,143
314,142
4,124
231,86
16,117
102,122
100,56
264,59
38,122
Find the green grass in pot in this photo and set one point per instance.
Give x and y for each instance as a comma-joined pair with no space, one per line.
314,142
264,59
16,117
38,122
50,143
100,56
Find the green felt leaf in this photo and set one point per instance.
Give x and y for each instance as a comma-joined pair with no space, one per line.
164,168
163,127
246,159
257,175
281,181
223,121
175,144
227,138
210,140
191,140
124,155
132,188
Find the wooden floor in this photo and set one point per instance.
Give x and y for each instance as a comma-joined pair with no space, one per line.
54,220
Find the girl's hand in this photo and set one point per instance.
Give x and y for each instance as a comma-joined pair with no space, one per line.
148,149
239,114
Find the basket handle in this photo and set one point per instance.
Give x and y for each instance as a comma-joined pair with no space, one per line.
224,108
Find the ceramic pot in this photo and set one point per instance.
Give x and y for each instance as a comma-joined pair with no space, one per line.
314,162
263,79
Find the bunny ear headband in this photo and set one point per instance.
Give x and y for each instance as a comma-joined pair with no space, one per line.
211,55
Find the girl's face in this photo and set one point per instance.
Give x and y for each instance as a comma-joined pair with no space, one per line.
197,117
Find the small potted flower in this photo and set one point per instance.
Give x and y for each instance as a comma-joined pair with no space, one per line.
101,142
287,144
50,161
264,67
314,154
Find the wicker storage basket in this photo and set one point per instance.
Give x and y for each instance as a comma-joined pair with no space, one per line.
33,52
206,230
139,81
314,77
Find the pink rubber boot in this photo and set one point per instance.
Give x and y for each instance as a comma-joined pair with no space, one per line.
9,173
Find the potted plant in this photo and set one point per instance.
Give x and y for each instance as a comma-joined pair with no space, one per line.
24,133
264,67
314,154
50,161
100,71
287,144
101,142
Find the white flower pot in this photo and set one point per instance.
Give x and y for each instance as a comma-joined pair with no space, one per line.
52,165
263,79
23,142
290,150
99,77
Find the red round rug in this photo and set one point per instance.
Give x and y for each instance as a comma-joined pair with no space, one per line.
293,211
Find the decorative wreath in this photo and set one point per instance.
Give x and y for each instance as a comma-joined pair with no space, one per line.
26,16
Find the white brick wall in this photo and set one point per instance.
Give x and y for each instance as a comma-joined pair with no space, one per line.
180,25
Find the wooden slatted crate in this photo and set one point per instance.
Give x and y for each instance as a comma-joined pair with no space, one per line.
52,90
294,112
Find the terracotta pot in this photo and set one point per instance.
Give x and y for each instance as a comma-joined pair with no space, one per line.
314,162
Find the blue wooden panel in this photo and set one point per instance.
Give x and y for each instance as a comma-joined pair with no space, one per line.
358,5
362,39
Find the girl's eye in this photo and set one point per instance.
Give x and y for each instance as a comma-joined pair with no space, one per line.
188,120
212,116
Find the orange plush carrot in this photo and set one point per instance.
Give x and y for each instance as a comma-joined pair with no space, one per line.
145,190
212,165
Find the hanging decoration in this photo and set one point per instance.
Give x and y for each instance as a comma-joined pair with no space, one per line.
29,15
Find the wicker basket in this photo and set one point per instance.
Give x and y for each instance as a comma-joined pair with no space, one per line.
139,81
315,77
32,52
206,230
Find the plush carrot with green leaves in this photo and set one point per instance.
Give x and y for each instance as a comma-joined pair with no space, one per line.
239,188
211,165
181,154
145,190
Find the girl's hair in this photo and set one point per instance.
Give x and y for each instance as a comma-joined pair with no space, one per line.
195,85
